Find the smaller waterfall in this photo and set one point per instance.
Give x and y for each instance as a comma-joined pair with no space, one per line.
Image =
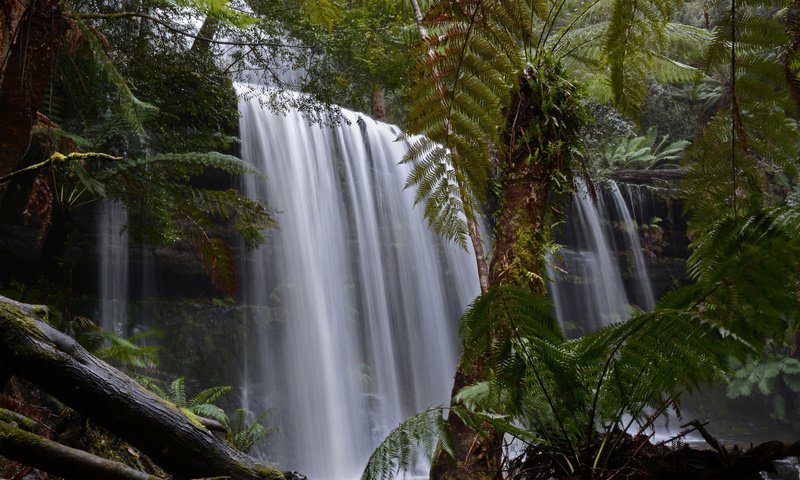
629,228
600,272
114,261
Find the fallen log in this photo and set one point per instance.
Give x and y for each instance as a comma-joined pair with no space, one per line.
32,349
21,421
52,457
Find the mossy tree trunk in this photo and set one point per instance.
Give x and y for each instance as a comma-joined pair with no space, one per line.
33,350
542,122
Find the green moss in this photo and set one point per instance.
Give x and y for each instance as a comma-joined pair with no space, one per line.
269,472
102,443
20,326
192,417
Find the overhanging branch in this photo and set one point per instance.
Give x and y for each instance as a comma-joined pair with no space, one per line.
172,28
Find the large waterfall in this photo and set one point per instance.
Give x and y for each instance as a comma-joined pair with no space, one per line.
358,301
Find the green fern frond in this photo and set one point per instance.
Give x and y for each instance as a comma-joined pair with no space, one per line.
227,163
177,392
244,436
751,294
207,396
126,352
207,410
401,449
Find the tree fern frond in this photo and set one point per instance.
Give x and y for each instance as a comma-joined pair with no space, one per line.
134,110
322,12
401,449
227,163
126,351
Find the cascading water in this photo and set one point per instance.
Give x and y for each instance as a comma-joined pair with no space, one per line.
355,301
588,283
114,260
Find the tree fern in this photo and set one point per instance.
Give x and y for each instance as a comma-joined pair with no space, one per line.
642,152
469,69
751,136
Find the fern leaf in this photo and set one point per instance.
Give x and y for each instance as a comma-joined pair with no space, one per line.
322,12
209,411
134,110
208,396
400,450
177,392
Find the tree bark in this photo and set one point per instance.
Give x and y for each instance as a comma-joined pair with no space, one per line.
207,31
52,457
28,66
33,350
378,103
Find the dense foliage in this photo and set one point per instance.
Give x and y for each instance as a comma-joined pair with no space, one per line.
577,399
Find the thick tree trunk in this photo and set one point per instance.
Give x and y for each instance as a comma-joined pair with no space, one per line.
477,457
207,31
521,231
536,151
379,103
29,64
39,452
33,350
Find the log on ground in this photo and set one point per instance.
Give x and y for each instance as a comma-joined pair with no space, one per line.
32,349
52,457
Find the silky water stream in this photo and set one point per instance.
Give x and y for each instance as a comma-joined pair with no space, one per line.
359,300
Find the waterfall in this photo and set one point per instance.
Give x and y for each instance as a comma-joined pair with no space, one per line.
600,271
353,303
114,260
